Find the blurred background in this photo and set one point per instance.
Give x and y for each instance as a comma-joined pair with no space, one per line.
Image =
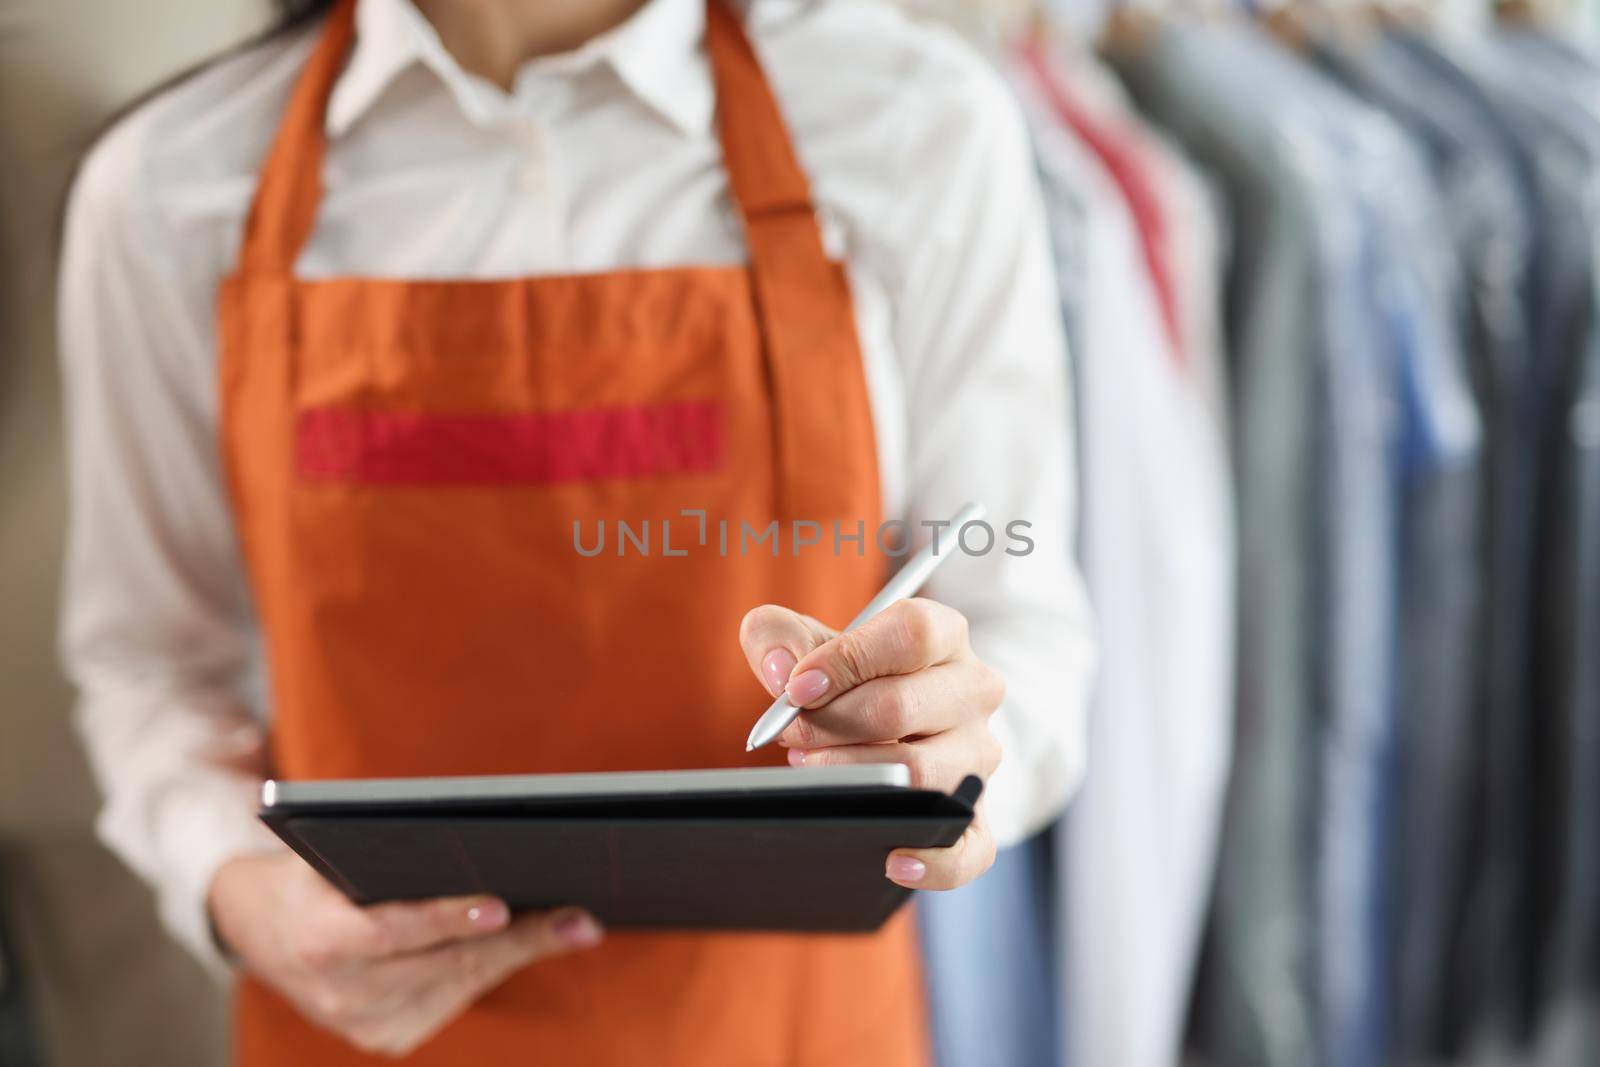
88,975
1330,273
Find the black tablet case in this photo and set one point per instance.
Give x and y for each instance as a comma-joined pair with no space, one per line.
799,861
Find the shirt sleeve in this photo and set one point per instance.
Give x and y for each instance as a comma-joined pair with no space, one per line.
155,622
989,418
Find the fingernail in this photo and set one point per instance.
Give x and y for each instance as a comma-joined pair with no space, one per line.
490,915
776,669
578,929
797,757
905,869
806,687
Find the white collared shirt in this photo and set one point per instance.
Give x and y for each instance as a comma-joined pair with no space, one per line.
600,158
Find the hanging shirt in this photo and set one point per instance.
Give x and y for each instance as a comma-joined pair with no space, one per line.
1553,90
1567,604
600,158
1137,847
1299,321
1126,160
1446,530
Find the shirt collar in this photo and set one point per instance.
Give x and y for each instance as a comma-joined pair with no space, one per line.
660,54
657,54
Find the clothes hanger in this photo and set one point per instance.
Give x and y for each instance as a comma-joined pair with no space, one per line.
1128,28
1522,14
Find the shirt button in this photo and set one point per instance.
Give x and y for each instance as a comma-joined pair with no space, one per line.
528,137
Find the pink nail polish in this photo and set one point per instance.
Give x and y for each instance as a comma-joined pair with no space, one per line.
490,915
808,686
578,930
776,668
905,869
797,757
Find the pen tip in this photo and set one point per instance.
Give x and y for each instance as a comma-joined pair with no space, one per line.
748,747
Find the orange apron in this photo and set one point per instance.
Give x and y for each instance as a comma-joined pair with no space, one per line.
407,461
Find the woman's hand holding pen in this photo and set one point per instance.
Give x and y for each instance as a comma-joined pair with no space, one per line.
904,687
385,977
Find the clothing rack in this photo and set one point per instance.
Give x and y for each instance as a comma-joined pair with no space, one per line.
1347,248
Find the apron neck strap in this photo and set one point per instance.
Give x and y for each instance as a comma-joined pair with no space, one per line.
290,188
762,169
765,176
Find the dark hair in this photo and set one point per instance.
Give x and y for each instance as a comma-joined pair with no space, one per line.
294,12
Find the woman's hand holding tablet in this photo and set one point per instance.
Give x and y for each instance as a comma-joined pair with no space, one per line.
388,976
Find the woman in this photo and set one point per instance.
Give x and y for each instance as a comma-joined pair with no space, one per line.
363,327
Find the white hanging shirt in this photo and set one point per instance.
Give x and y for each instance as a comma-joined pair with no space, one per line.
1139,841
601,158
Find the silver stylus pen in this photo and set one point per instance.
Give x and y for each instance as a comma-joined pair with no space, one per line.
906,581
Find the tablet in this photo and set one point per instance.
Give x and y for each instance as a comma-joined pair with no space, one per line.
773,848
378,791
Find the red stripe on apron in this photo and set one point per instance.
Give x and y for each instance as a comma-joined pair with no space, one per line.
377,447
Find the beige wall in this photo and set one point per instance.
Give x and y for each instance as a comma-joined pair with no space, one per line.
108,987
